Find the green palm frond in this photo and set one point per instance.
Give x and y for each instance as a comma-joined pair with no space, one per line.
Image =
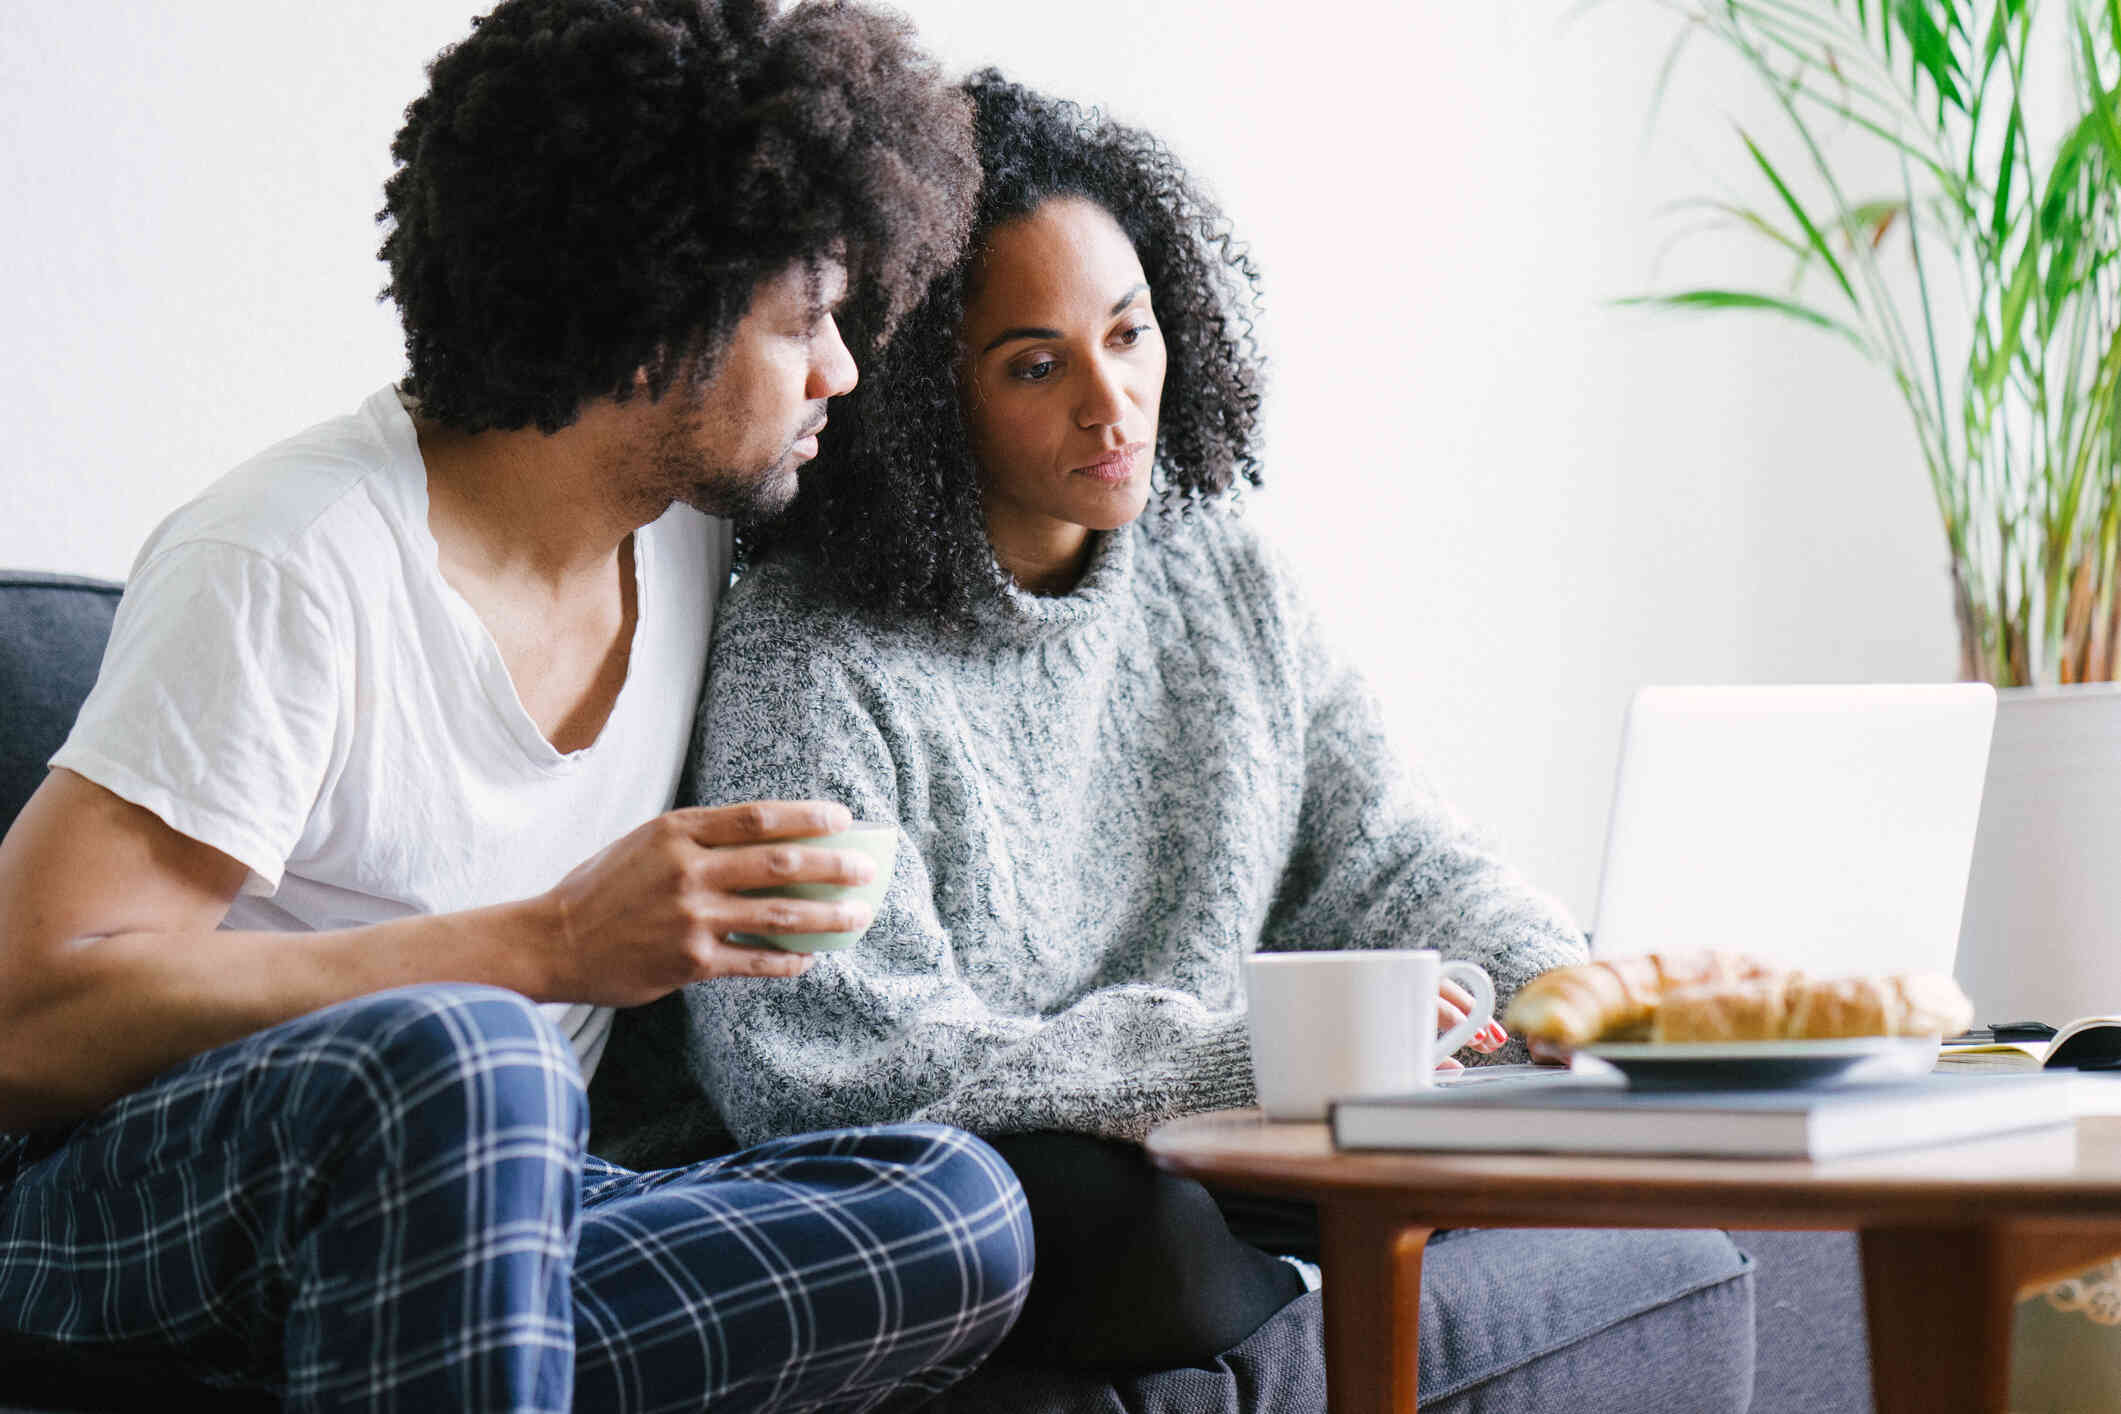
2019,425
1750,299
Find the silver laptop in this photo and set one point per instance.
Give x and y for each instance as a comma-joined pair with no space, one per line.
1826,828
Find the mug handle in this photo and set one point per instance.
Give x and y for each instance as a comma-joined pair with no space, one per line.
1472,977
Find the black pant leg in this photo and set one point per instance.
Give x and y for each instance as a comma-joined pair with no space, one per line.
1280,1225
1137,1269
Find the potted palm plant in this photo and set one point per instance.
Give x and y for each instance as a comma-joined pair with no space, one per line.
1986,283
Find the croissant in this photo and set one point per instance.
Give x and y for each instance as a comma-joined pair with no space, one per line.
1904,1004
1614,998
1727,997
1750,1010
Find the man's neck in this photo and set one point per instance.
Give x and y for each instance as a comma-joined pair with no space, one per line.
532,531
528,506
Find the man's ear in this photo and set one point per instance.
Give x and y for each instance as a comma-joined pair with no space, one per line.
644,378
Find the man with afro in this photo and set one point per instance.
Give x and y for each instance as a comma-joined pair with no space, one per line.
315,927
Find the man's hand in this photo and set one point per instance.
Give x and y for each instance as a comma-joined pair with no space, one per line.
654,910
113,967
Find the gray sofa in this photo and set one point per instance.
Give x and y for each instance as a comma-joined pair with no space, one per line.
1583,1322
52,630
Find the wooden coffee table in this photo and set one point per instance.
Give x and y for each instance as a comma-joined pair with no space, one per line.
1949,1235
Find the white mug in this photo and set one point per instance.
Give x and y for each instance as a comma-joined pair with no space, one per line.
1325,1024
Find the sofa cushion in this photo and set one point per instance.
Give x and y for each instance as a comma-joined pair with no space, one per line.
1591,1322
1587,1320
1811,1350
52,631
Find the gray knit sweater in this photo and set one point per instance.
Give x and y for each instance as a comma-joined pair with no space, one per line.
1108,798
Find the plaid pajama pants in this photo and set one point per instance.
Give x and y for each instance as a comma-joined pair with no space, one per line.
385,1206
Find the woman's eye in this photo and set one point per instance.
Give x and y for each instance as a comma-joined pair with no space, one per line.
1128,338
1037,371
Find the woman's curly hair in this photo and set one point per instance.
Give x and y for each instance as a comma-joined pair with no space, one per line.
593,188
890,511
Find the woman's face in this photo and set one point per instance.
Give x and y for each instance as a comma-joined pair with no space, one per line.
1062,372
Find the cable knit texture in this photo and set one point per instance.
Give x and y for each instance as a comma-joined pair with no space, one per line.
1108,799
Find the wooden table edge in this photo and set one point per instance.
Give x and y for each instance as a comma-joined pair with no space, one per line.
1937,1348
1515,1189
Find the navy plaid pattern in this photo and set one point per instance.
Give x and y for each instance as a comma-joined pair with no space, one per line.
385,1206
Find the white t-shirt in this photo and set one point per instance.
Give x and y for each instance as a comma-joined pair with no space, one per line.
291,680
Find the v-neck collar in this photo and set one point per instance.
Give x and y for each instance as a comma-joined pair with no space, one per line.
482,652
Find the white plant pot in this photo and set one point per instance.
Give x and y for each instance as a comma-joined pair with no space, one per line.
2041,935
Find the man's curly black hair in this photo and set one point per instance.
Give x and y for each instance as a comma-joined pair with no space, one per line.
890,511
593,188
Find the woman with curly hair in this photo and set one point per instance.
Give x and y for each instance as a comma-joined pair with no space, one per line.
1017,614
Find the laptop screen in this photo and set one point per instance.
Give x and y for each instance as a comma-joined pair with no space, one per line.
1825,828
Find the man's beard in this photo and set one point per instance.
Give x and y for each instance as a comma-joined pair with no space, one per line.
747,496
735,494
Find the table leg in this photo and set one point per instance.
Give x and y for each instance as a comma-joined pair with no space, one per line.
1939,1304
1372,1261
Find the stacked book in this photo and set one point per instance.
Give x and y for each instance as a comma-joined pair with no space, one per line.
1567,1112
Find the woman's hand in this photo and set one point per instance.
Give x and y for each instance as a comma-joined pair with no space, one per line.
1453,1004
1548,1052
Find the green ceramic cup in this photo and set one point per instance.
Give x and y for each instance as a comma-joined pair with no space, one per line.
879,842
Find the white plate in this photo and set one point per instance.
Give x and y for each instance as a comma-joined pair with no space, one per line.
1756,1065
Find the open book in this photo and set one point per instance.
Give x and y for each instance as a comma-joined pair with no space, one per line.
2090,1046
2088,1043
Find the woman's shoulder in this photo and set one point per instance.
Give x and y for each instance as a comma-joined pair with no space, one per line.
781,615
789,588
779,609
779,585
1219,545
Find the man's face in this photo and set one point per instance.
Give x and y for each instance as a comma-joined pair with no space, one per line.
733,447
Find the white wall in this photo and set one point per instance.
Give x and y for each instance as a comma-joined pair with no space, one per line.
1515,501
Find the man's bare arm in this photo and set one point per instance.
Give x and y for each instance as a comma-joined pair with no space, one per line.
112,967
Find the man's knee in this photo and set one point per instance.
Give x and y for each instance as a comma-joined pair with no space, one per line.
978,1224
440,1063
952,1200
984,1196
